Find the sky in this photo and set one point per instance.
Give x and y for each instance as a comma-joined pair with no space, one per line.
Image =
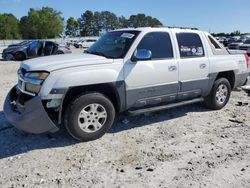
210,15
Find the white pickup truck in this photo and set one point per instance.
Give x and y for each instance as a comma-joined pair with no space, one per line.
129,70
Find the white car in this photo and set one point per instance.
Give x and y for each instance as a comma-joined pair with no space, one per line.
128,70
84,43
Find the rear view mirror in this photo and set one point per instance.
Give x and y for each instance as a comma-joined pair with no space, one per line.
142,55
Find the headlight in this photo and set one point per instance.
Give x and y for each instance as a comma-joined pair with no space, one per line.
34,80
32,88
37,75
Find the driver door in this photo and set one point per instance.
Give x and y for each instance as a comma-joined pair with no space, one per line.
155,81
32,49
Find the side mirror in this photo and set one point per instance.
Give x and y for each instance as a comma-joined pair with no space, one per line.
142,55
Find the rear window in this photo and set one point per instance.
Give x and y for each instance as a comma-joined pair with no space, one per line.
190,45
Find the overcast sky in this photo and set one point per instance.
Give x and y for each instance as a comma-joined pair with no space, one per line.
209,15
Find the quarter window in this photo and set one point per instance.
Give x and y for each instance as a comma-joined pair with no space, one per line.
214,43
159,43
190,45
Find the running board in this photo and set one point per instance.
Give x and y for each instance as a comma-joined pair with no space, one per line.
164,107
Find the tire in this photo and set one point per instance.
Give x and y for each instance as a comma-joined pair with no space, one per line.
59,53
245,83
80,46
219,94
81,118
20,56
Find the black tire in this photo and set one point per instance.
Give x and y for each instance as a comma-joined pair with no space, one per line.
20,56
59,52
71,118
212,101
245,83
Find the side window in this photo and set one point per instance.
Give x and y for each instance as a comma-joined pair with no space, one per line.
190,45
214,43
159,43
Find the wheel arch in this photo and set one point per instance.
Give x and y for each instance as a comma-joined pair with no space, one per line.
115,92
19,51
229,75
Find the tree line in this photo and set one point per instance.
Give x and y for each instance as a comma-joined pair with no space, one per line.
49,23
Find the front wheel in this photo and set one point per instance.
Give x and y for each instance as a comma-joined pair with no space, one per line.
59,52
89,116
219,94
20,56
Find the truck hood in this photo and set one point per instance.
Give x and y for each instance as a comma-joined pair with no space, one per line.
56,62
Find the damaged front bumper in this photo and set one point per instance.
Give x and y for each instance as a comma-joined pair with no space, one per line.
29,116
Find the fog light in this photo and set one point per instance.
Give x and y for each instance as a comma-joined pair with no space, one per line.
32,88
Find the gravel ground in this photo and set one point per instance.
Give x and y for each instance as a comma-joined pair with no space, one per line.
189,146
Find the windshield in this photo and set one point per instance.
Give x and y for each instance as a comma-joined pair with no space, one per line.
114,44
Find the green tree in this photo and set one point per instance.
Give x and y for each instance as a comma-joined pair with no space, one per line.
72,27
42,23
141,20
24,27
109,20
123,22
91,24
9,27
235,33
87,23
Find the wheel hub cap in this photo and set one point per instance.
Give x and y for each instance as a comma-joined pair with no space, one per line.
221,94
92,117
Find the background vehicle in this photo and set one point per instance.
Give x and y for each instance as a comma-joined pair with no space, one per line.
235,45
245,46
84,43
230,41
20,43
129,70
31,49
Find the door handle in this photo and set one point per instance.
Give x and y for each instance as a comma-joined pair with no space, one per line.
203,66
172,68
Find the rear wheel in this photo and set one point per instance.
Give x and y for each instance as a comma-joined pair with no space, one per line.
19,56
219,94
89,116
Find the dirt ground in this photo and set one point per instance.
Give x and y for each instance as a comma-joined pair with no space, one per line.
189,146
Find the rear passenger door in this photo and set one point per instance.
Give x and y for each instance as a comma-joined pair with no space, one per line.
154,81
193,65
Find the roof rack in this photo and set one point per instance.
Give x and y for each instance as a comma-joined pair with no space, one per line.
176,27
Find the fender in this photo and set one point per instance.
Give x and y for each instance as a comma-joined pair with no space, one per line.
78,76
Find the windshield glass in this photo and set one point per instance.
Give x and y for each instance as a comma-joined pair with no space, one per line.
114,44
